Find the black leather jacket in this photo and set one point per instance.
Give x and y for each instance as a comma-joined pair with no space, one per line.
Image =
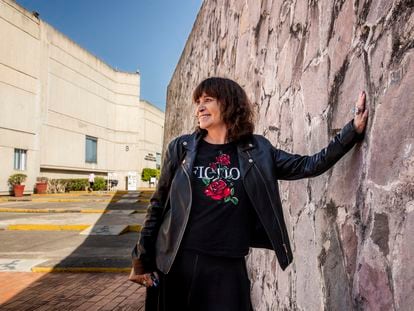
261,166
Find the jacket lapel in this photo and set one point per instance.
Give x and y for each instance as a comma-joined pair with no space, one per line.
190,145
244,151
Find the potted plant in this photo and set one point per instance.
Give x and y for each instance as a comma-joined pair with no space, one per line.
41,185
16,181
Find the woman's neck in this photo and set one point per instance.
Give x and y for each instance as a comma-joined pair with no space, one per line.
217,137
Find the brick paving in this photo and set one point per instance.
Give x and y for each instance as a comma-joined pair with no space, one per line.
69,291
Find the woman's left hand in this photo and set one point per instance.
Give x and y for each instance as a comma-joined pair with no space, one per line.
361,113
143,279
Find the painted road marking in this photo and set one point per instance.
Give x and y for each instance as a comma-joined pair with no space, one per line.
19,265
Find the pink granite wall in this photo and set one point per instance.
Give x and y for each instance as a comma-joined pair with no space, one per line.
303,64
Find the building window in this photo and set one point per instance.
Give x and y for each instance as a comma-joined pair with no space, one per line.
90,150
20,159
158,160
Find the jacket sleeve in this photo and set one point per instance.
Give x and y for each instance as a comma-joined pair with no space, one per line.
143,254
294,166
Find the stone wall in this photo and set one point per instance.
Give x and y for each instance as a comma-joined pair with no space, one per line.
303,64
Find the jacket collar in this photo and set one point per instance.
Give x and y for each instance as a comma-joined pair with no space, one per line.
247,143
190,142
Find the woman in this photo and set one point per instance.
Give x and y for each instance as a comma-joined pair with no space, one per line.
216,197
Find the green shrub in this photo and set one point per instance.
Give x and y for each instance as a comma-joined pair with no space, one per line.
76,184
17,179
55,186
147,173
42,179
99,184
72,184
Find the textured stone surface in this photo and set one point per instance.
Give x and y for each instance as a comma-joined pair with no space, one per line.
303,64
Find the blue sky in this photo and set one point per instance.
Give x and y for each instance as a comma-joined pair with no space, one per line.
148,35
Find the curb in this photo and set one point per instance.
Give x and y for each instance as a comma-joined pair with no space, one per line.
55,198
56,210
81,269
46,227
85,264
75,193
49,227
71,200
13,199
45,210
134,228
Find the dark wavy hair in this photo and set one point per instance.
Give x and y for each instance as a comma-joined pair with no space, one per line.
235,107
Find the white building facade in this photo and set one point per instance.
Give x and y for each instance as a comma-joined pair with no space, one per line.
63,112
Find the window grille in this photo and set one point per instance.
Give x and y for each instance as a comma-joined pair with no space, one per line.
20,159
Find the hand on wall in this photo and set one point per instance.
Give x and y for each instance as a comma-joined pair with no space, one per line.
361,114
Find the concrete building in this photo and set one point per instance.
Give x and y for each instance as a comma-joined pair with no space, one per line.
63,112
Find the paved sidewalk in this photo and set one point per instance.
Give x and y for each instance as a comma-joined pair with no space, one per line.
69,291
83,236
76,196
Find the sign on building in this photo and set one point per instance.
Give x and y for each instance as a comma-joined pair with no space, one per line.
132,181
152,182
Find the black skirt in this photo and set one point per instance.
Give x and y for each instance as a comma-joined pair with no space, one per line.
200,282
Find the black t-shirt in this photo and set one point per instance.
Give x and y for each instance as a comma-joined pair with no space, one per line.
219,218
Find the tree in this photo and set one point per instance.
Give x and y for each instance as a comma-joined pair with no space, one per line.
147,173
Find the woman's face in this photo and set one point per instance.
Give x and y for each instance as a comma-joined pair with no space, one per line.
208,112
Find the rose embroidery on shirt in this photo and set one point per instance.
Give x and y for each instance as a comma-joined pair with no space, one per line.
220,187
217,190
223,159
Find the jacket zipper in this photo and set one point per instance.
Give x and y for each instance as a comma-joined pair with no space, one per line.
270,200
185,222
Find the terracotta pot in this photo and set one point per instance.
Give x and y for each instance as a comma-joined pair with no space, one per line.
18,190
41,187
